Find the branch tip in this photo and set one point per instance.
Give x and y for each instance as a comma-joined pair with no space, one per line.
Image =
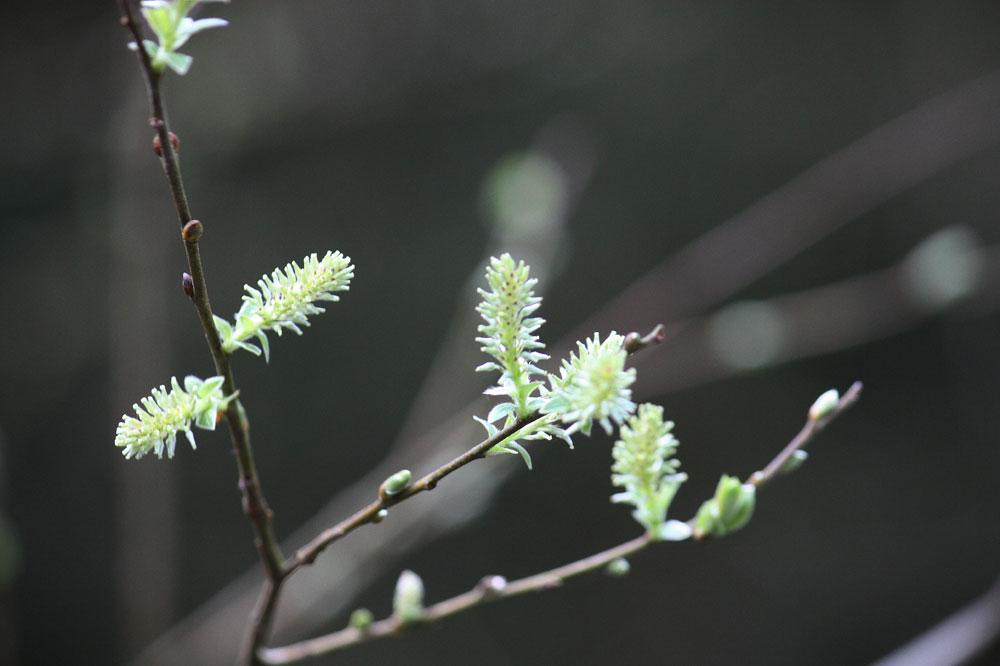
635,342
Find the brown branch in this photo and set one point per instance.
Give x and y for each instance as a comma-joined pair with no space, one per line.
307,554
809,430
254,504
492,588
374,512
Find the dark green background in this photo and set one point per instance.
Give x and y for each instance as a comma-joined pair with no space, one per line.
369,127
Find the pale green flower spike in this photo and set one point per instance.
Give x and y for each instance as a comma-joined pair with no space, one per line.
165,413
285,299
645,468
593,385
509,336
170,22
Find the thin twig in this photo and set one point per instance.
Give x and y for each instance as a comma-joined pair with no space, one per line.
308,553
809,430
254,504
490,590
482,593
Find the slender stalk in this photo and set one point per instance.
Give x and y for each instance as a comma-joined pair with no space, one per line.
307,554
263,612
254,504
809,430
482,593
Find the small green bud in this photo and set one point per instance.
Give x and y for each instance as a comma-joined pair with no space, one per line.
396,483
824,404
408,600
618,567
361,618
793,462
380,516
729,510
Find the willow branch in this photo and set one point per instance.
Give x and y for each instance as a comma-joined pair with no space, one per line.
370,514
634,342
254,504
808,432
492,588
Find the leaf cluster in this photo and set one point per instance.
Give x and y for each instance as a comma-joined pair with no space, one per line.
173,27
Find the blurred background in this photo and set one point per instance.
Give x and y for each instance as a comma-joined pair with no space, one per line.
805,193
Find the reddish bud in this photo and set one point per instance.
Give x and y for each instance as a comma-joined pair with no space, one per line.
158,146
187,283
192,231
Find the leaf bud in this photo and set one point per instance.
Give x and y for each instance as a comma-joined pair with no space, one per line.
728,511
158,145
673,530
793,462
408,599
491,585
618,567
187,284
824,404
361,618
396,483
192,231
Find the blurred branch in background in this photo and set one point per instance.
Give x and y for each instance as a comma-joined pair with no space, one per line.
947,269
891,159
957,639
140,340
10,566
